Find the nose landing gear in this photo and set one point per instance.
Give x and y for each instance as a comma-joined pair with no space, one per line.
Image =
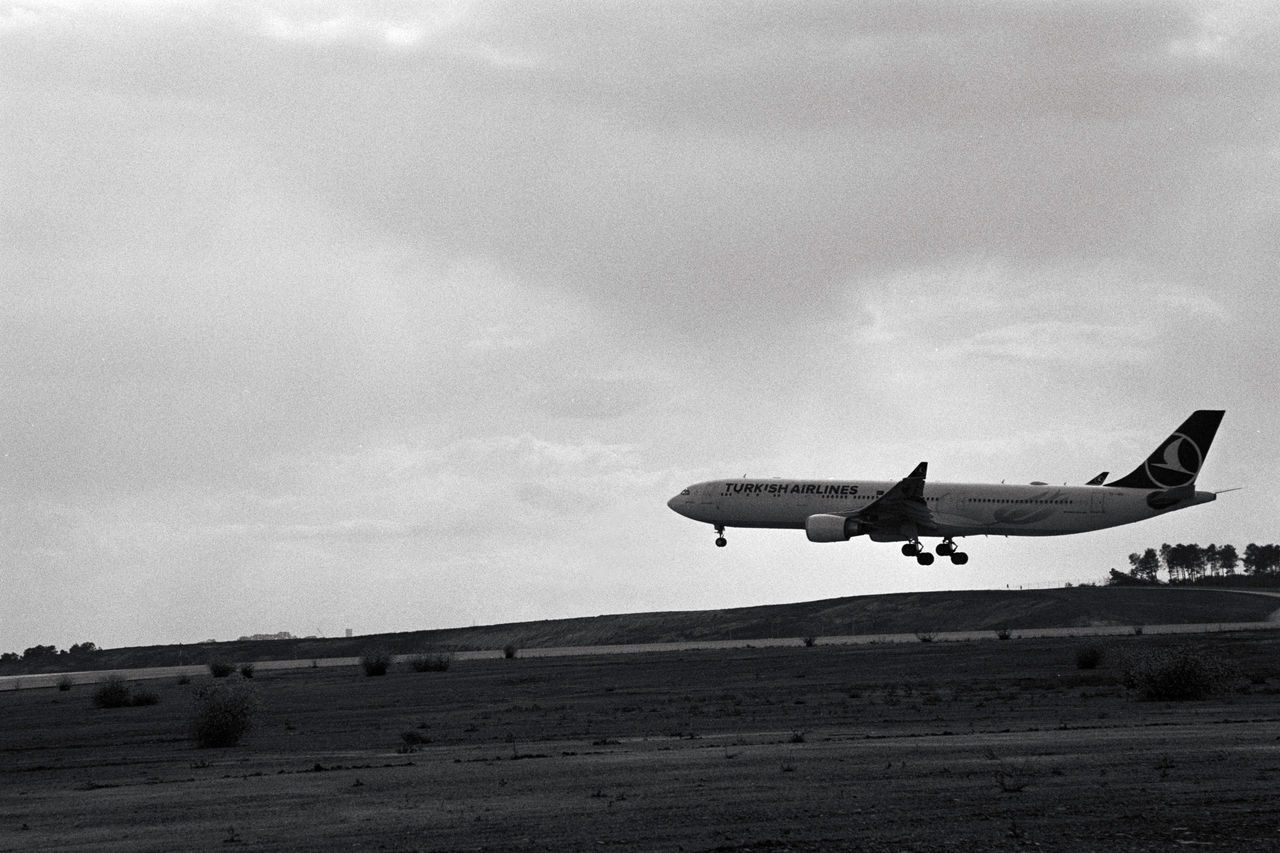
720,540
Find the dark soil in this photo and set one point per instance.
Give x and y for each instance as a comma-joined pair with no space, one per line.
982,745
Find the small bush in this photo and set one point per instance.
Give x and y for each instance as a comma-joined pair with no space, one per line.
246,670
1179,674
810,642
430,663
926,636
113,693
415,737
1088,657
224,714
376,661
509,651
220,668
64,683
1004,634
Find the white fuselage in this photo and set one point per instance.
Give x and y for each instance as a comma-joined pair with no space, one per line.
955,509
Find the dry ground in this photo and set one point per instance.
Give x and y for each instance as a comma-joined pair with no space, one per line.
982,745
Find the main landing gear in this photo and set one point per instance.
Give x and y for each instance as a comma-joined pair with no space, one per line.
720,540
946,548
915,549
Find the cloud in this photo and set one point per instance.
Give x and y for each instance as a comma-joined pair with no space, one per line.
296,294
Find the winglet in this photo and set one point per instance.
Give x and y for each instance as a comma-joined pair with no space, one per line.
1177,460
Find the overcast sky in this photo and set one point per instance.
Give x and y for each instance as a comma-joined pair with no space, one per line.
390,316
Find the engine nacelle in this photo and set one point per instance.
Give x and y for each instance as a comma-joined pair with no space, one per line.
824,527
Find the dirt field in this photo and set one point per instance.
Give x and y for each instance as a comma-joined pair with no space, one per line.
981,745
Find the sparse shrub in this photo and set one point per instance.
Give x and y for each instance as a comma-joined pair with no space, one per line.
1004,634
1137,630
1088,657
926,636
430,662
376,661
810,642
64,683
224,713
509,651
414,737
220,668
113,692
797,736
246,670
1179,674
184,679
1012,777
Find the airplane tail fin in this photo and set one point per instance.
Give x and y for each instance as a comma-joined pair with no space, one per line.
1177,460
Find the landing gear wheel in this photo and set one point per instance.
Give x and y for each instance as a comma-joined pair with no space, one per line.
924,558
912,549
720,540
946,548
959,558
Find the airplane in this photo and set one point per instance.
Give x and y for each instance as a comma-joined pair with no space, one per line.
911,508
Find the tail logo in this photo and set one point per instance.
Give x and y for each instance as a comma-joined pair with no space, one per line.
1175,463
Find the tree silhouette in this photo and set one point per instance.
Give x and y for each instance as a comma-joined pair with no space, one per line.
1261,559
1192,563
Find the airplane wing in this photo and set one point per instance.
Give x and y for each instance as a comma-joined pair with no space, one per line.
902,504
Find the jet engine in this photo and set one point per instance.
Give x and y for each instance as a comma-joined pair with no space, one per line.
825,527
